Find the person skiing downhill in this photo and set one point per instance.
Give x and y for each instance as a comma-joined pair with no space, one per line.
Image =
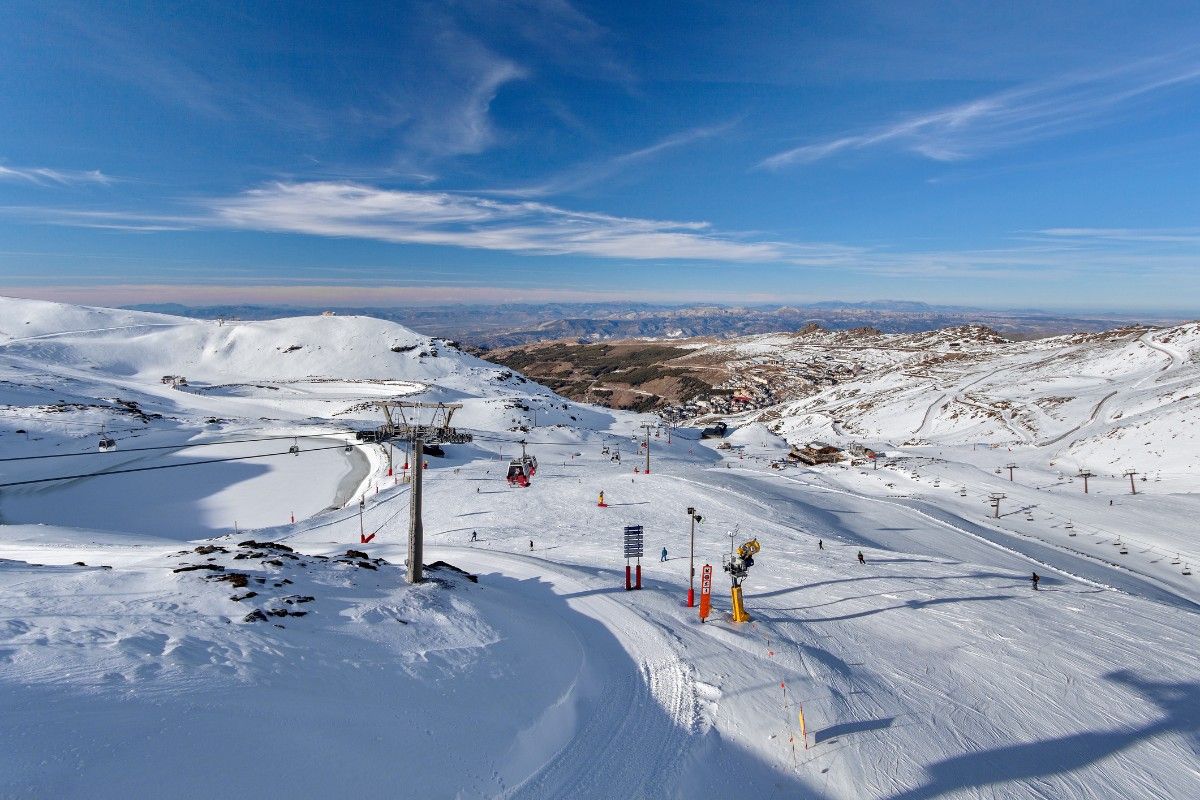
531,544
664,555
474,536
1034,580
861,560
820,544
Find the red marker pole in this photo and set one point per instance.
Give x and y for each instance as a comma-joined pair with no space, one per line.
639,576
628,579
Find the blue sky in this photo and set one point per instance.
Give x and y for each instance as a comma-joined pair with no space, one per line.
1007,155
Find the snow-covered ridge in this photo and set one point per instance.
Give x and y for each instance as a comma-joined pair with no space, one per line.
1108,400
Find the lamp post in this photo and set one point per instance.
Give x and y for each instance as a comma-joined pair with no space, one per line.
692,558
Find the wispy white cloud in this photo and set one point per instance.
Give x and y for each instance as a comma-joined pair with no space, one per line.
1165,236
460,123
1017,116
593,173
448,219
456,220
44,176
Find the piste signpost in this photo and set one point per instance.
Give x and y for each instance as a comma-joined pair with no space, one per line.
634,535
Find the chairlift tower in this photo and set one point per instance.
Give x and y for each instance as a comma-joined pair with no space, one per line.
1129,473
1085,474
647,428
995,498
403,420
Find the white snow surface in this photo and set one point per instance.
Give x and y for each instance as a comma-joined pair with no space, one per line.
933,670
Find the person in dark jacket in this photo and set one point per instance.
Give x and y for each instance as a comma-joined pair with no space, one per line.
664,555
820,544
861,560
1034,580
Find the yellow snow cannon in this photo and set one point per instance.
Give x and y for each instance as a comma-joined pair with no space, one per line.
738,566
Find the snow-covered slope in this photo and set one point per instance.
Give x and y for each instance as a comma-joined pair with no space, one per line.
101,374
147,648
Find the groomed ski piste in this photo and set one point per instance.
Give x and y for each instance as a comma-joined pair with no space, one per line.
148,647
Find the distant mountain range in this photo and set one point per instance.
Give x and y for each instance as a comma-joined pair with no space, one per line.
490,326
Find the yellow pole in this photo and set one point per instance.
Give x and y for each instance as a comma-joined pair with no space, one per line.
739,610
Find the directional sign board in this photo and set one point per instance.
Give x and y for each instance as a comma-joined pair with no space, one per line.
633,541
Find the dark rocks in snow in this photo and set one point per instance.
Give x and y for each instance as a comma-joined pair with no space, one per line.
266,546
442,565
208,549
79,564
246,596
283,612
297,598
275,562
255,616
356,554
193,567
235,579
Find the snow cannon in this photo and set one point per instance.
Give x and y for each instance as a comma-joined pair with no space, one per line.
738,566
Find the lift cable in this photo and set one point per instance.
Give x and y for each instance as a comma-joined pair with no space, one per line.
181,446
326,524
169,466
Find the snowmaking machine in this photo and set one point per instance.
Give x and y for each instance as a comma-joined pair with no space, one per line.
738,566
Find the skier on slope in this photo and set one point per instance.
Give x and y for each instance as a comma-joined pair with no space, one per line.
861,560
820,544
1034,580
474,536
531,544
664,555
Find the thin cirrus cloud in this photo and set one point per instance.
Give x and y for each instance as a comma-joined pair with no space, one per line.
44,176
456,220
1165,236
593,173
1024,114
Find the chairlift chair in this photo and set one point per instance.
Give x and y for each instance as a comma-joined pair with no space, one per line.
295,448
107,443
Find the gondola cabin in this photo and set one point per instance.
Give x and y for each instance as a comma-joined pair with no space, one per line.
517,473
107,444
530,463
